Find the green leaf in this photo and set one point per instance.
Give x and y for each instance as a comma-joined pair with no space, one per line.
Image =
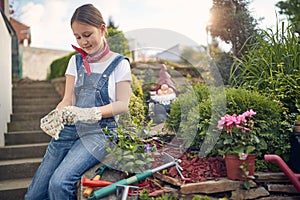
128,165
139,162
129,157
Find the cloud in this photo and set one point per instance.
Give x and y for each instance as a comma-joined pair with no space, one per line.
187,18
47,22
50,19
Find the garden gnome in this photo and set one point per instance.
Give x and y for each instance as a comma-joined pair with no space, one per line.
164,80
161,96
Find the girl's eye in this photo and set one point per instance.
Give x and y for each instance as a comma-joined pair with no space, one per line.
87,35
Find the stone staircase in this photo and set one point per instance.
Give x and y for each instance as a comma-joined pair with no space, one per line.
25,142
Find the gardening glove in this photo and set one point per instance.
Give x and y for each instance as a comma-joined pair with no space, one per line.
52,123
73,114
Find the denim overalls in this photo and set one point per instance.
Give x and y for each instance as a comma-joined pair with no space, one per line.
80,146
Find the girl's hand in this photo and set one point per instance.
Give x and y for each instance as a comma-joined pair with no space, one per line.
52,123
73,114
63,104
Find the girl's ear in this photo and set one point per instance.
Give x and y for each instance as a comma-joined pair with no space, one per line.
103,28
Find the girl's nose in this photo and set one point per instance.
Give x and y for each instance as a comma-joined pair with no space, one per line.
85,42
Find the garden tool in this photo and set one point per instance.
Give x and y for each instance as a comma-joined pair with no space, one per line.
99,173
126,190
112,188
94,183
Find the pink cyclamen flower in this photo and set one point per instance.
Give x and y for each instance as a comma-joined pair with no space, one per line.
242,118
247,129
221,123
244,156
249,113
231,119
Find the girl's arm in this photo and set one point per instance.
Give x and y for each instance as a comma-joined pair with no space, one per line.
123,92
68,99
91,115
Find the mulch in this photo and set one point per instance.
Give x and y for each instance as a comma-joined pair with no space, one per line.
194,168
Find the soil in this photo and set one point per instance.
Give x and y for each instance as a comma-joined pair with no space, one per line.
194,169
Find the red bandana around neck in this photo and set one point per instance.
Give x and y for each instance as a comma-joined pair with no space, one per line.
86,58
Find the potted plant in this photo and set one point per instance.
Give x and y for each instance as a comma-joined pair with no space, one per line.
239,144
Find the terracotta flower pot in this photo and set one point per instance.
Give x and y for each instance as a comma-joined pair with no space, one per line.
233,164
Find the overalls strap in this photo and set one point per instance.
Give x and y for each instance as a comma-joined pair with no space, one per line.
78,61
109,70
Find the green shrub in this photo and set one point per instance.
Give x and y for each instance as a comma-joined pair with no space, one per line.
136,104
58,67
198,120
136,108
136,87
181,106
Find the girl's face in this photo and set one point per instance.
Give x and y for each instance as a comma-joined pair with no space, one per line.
88,37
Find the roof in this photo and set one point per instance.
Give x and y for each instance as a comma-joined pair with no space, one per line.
22,30
173,54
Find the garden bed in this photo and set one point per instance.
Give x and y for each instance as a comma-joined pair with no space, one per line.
205,177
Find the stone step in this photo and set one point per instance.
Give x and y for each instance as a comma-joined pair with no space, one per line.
28,125
14,189
19,168
34,90
23,151
23,116
32,95
31,84
26,137
37,101
33,108
25,142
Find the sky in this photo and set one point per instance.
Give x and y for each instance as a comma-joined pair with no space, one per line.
185,20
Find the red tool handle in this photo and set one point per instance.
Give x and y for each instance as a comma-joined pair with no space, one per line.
88,191
95,183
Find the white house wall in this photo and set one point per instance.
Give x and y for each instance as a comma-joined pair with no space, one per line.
5,79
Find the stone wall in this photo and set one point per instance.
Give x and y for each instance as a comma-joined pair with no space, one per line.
36,61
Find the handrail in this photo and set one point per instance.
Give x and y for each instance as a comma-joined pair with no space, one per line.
293,177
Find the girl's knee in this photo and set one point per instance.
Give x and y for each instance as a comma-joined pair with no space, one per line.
55,184
61,186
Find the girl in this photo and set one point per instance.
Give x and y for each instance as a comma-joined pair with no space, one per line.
97,90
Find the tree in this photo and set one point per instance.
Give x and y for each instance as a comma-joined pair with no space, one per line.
111,23
116,39
291,8
231,22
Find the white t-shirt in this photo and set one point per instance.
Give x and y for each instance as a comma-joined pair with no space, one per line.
121,73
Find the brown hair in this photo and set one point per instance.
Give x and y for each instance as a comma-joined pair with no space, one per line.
88,14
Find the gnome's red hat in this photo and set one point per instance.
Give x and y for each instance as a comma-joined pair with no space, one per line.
164,78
